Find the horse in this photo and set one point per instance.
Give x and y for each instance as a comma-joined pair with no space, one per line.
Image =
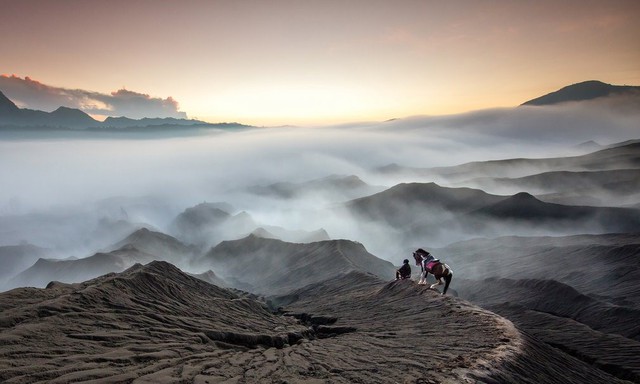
435,267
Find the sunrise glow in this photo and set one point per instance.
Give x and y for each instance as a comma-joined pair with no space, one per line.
282,62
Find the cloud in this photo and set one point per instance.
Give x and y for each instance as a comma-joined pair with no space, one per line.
153,180
32,94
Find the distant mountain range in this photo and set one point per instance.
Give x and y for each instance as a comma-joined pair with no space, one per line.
587,90
69,118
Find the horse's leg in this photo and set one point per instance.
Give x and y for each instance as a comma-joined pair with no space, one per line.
436,274
423,278
447,281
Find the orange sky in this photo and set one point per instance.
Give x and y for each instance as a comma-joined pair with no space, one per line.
313,62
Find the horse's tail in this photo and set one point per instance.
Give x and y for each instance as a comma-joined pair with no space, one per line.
447,280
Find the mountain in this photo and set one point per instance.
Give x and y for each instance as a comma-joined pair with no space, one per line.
579,294
525,208
125,122
586,90
615,157
603,266
557,314
69,118
211,278
7,107
132,326
408,203
162,246
273,232
330,188
64,116
411,215
78,270
12,117
366,309
207,224
270,266
154,323
16,258
534,294
608,187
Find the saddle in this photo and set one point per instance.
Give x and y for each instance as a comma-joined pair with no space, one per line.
431,265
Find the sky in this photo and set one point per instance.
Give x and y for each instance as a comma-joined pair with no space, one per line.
300,62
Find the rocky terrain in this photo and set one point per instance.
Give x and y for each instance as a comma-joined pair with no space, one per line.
154,323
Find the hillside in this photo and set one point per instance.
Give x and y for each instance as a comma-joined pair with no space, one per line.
272,266
330,188
162,246
206,224
16,258
585,327
603,266
525,208
586,90
154,323
418,213
413,202
615,157
618,187
79,270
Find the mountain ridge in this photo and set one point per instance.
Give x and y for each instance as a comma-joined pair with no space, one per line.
586,90
272,265
153,323
11,116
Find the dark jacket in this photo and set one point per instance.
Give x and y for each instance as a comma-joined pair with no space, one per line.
404,272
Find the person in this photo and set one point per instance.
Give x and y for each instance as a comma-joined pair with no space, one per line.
404,272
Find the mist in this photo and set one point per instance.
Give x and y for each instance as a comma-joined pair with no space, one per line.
73,195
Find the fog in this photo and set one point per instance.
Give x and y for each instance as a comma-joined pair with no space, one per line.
73,195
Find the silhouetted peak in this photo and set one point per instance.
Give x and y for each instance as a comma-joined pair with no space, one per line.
72,116
65,111
587,90
216,208
263,233
145,233
6,105
524,196
111,119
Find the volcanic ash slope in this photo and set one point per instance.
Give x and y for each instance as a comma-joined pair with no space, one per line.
153,324
400,332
